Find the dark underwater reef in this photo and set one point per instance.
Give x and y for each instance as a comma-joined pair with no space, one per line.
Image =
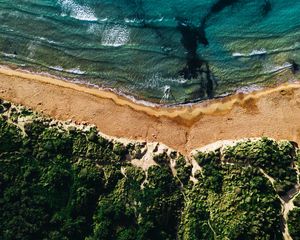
192,36
62,181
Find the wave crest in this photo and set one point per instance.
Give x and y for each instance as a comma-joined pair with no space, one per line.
255,52
72,70
115,36
77,11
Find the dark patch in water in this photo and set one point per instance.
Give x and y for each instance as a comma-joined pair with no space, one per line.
196,68
202,35
221,5
295,67
266,8
192,36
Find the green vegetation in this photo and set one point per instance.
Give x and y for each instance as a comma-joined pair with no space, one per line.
233,201
294,214
294,223
62,181
275,159
297,201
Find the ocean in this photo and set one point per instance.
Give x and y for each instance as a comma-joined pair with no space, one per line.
168,52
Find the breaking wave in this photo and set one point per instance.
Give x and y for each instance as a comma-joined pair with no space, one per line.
77,11
276,68
261,51
115,36
71,70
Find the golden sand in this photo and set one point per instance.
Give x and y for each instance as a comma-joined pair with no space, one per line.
271,112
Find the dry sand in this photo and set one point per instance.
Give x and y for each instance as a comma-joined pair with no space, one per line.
272,112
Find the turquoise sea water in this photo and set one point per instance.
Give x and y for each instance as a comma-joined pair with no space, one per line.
169,51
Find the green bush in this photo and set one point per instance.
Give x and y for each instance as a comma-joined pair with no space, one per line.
60,182
294,223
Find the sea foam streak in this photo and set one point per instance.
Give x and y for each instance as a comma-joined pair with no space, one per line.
255,52
72,70
77,11
277,68
9,55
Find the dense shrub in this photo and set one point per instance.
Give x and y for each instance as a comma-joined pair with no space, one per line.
294,223
62,182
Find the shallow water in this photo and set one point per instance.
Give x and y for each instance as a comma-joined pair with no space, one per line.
162,51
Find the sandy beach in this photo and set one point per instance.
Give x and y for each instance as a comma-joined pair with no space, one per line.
271,112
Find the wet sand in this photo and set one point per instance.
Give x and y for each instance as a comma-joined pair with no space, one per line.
271,112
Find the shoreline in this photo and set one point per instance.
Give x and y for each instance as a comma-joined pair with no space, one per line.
268,112
208,106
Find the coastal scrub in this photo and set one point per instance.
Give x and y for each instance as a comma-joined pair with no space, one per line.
59,180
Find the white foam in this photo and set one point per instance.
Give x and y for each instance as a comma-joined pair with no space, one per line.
74,10
71,70
32,49
167,94
132,21
276,68
8,55
153,82
115,36
263,51
75,70
103,19
157,80
57,68
139,21
255,52
45,40
249,89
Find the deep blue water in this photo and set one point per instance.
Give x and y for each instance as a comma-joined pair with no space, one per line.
163,51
